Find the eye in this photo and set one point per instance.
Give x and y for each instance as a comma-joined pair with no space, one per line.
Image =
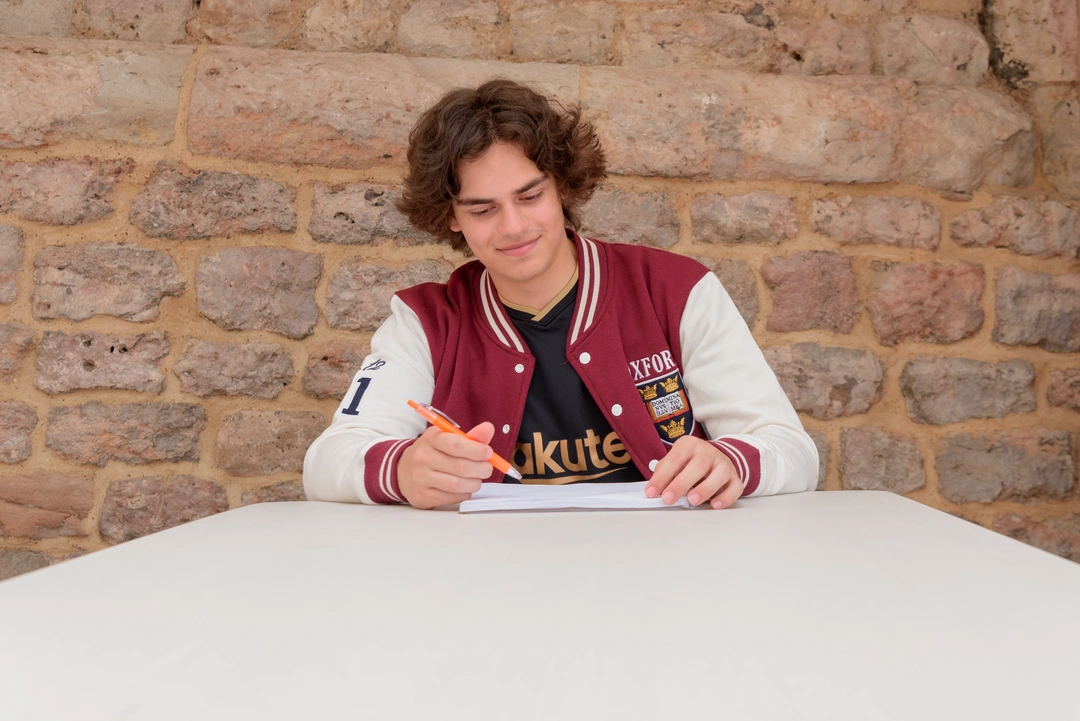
531,198
480,213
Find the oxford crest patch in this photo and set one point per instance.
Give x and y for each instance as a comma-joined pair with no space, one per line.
665,399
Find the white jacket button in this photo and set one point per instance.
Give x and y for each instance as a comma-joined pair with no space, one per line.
652,464
519,368
584,358
616,410
506,428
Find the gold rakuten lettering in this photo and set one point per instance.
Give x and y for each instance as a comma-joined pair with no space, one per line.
544,457
614,449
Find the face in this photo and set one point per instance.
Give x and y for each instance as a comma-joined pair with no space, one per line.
511,216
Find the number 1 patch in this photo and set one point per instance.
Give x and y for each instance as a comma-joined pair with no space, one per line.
361,386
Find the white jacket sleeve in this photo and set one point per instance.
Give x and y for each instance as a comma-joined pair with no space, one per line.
735,393
355,458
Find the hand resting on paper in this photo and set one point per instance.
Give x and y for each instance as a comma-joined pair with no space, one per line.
698,470
443,468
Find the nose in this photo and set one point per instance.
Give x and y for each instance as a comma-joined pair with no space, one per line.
512,221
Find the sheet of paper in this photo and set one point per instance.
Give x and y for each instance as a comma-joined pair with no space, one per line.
570,497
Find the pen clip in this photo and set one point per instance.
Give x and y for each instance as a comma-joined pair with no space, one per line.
439,413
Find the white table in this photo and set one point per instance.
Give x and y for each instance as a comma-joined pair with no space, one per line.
840,605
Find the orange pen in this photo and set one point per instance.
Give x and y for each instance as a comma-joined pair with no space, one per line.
441,421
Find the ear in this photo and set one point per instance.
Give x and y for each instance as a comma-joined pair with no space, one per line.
454,225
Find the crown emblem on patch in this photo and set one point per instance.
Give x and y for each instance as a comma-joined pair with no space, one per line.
670,384
675,428
648,392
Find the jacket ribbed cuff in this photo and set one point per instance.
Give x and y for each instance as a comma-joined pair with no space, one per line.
746,459
380,470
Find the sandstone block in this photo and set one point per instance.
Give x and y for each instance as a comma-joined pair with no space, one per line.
450,28
214,368
900,222
757,217
361,214
133,433
61,192
17,422
180,204
260,289
956,139
330,370
687,38
726,125
812,290
148,21
1059,535
559,81
926,302
15,341
358,297
1032,308
68,362
1018,465
120,279
259,443
823,457
1035,41
276,492
60,89
1064,388
357,25
621,216
830,47
577,32
11,259
141,506
827,382
1045,229
738,280
350,110
43,504
942,390
255,23
43,17
15,562
1058,111
339,110
872,459
931,49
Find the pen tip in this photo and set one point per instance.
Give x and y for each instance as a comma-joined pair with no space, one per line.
513,473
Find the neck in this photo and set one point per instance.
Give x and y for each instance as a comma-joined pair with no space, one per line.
540,291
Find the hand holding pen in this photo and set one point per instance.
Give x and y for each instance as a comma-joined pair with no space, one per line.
443,466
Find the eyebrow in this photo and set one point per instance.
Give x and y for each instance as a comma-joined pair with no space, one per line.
490,201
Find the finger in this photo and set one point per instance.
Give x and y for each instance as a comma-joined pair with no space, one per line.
432,469
696,468
713,482
454,484
483,433
461,447
668,468
433,499
728,494
722,471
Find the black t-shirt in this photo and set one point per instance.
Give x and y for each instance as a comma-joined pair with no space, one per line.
564,437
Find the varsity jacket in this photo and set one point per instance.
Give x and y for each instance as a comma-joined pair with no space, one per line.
655,338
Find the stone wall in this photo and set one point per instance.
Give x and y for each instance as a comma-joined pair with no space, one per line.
197,233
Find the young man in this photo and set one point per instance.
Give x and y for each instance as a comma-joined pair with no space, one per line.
575,359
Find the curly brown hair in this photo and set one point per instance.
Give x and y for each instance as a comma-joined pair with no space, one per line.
466,122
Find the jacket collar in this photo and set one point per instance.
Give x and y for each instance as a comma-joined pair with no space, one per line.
588,298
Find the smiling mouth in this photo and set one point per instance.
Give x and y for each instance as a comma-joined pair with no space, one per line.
520,248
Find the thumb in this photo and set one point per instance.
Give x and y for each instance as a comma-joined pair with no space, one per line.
483,432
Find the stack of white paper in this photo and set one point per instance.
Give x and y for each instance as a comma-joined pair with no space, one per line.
571,497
